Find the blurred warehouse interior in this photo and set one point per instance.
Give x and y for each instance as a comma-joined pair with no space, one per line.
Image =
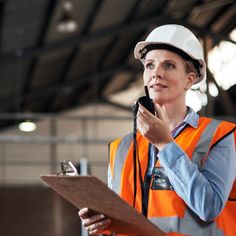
67,67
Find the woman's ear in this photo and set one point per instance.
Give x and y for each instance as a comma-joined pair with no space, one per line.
190,80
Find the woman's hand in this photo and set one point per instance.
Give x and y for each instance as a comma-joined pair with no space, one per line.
154,128
93,224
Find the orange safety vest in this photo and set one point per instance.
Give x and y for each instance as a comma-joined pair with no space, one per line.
165,208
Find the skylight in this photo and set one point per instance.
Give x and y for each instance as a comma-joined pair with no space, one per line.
222,61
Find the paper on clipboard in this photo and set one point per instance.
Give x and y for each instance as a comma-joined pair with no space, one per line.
89,191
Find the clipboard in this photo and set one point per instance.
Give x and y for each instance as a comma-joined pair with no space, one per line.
89,191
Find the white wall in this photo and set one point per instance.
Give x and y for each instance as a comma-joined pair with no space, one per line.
23,162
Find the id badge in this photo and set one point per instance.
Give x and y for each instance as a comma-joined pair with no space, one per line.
160,181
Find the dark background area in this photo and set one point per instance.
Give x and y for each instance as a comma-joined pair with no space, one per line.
38,211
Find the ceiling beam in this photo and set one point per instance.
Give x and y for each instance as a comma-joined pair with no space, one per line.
114,104
115,39
45,24
217,16
134,26
138,38
71,57
2,5
73,84
96,89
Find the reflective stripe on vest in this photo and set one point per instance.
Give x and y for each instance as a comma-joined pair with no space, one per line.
120,157
189,225
196,143
204,142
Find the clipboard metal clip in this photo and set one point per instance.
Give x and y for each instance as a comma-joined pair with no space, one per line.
68,168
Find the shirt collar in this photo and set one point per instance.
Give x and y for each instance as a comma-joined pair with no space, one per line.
191,118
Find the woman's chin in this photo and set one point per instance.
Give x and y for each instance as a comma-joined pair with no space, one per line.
157,99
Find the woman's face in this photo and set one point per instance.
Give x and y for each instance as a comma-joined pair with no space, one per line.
166,77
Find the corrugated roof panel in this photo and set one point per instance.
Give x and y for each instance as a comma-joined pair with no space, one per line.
112,13
49,69
21,25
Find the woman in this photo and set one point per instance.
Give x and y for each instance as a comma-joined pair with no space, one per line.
186,163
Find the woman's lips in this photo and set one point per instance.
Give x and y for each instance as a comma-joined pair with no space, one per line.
157,86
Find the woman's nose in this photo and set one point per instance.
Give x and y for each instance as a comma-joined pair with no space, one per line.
157,72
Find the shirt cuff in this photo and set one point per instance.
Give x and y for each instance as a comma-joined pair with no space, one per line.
170,154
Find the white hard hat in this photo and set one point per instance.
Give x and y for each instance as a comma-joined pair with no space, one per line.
178,37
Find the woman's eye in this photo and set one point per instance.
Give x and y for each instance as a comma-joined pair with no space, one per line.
149,65
169,65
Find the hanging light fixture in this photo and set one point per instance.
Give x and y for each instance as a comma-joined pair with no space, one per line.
67,23
27,126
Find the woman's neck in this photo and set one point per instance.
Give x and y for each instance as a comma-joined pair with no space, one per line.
175,113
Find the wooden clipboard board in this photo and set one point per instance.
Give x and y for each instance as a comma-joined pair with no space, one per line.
89,191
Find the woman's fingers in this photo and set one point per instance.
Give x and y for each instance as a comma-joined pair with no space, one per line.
83,213
93,219
145,113
98,227
93,224
154,128
160,113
